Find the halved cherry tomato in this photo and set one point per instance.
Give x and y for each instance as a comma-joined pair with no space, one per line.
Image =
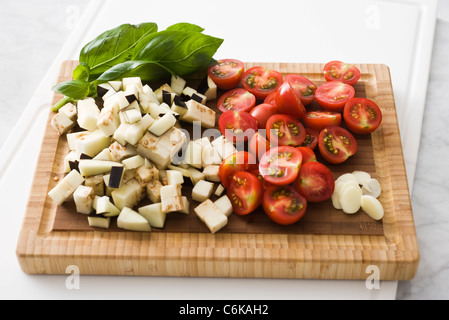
258,145
307,154
265,183
237,126
315,182
362,115
280,165
288,102
283,204
284,130
311,139
304,88
333,95
262,112
261,81
245,192
237,99
336,144
319,120
344,72
226,73
271,98
239,161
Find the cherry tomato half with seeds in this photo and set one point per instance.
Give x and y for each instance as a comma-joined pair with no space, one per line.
285,130
304,88
237,126
265,183
245,192
239,161
319,120
315,182
362,115
311,139
237,99
226,73
262,112
333,95
340,71
336,144
288,102
284,205
280,165
261,81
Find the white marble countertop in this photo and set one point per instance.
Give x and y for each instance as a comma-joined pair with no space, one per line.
24,61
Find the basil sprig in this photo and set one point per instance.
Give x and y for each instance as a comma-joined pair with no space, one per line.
139,51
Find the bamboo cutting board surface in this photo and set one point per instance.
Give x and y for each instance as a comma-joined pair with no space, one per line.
326,243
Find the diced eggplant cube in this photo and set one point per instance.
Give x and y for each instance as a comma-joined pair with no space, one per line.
99,222
115,179
171,198
198,97
103,88
163,124
177,84
202,190
116,85
208,88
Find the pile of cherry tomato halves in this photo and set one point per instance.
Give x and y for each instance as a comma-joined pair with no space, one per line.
280,170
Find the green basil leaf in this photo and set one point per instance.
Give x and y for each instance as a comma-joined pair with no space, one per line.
75,89
185,26
146,70
183,51
114,46
81,72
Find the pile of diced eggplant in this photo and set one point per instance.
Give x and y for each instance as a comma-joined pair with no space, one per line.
123,149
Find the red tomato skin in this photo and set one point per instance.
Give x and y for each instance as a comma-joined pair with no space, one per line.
231,122
288,102
252,77
271,98
319,120
236,99
258,145
315,182
355,124
307,154
304,88
342,68
343,154
336,103
245,192
262,112
274,208
239,161
227,82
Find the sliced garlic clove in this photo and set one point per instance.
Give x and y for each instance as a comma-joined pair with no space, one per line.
336,200
372,187
350,199
345,177
372,207
361,176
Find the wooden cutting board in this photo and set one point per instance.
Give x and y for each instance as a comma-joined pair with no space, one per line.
325,244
